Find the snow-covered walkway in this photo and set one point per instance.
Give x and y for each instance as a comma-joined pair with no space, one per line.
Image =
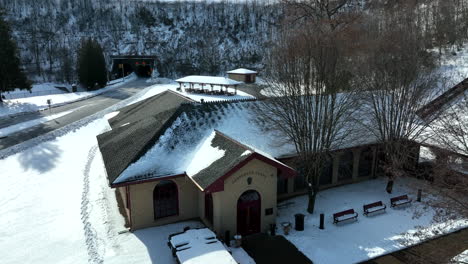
368,237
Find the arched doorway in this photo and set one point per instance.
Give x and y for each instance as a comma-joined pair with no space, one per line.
249,213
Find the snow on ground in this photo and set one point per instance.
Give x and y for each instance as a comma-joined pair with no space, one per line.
369,237
36,103
36,90
18,127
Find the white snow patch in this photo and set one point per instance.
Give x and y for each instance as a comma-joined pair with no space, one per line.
215,80
200,246
242,71
111,115
205,156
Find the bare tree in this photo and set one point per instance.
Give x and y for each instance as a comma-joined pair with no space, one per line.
450,129
311,102
400,77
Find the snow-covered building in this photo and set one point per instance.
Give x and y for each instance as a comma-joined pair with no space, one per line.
242,75
173,159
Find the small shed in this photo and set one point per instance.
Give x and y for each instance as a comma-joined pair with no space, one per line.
242,75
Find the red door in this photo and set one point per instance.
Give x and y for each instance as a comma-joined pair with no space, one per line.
248,213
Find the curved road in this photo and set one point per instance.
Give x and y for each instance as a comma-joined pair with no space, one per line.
81,109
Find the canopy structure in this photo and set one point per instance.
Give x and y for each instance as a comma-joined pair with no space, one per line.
201,81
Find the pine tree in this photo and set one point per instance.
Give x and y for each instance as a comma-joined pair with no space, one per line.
11,76
91,64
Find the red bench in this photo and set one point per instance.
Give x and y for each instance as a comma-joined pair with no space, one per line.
344,215
400,200
373,207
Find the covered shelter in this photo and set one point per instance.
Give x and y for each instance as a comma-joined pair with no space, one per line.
242,75
212,81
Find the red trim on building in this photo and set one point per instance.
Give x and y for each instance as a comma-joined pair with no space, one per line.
218,185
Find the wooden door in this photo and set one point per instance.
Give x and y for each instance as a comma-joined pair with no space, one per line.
249,213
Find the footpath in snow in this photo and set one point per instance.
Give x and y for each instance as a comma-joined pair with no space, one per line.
368,237
37,103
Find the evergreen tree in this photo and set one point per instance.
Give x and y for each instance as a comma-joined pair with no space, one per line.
11,76
91,64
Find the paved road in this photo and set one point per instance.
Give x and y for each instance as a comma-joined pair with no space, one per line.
435,251
81,109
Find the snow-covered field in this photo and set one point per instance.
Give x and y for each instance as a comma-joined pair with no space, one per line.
368,237
37,103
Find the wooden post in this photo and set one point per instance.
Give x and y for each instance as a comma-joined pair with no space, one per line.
322,221
419,195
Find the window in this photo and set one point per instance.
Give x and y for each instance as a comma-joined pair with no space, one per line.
281,184
165,199
209,207
365,162
300,180
345,171
327,172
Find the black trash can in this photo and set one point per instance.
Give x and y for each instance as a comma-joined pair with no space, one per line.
299,222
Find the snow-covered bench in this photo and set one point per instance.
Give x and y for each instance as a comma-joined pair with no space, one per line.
373,207
344,215
199,246
400,200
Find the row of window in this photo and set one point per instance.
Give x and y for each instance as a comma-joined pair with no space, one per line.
345,171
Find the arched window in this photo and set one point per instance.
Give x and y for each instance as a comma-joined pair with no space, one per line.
165,199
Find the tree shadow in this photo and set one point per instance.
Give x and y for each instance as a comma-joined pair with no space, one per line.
41,158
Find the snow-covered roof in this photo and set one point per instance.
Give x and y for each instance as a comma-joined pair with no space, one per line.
191,134
200,246
242,71
208,80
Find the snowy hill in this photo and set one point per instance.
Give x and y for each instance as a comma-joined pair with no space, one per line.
187,37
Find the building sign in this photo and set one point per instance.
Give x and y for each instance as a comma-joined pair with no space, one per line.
249,173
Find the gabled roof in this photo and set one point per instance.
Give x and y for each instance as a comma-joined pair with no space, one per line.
135,129
235,155
242,71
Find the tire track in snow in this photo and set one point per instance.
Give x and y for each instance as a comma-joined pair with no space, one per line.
90,233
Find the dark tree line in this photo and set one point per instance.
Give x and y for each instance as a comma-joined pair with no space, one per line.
91,66
11,74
